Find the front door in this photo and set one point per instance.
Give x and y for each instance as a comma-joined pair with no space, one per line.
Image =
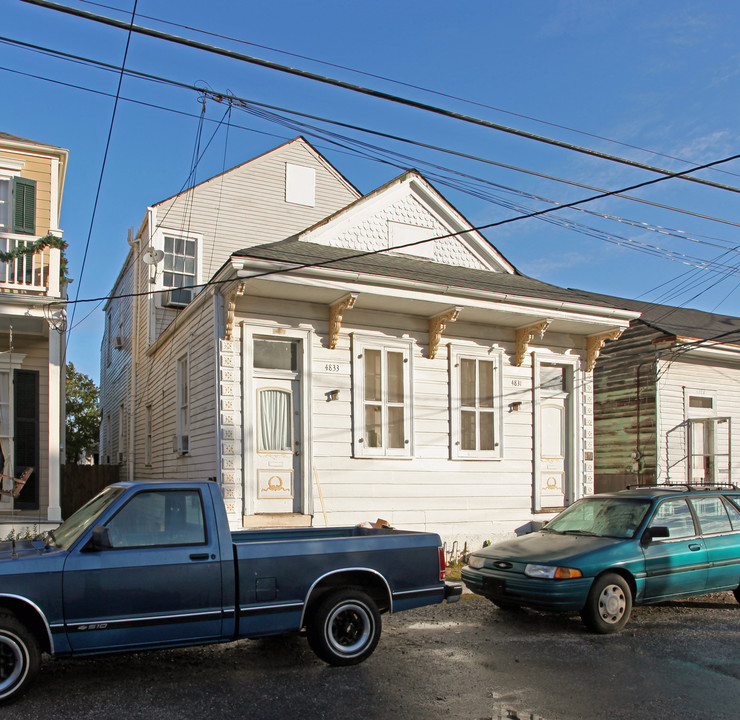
554,455
277,445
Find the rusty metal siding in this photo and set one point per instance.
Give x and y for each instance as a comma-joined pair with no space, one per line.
626,450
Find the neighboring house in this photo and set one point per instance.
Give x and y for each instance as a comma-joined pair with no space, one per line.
32,317
667,395
320,381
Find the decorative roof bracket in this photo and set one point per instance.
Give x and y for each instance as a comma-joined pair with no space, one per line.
336,311
525,335
437,325
594,343
232,307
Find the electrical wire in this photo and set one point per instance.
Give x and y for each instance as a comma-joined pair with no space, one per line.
377,94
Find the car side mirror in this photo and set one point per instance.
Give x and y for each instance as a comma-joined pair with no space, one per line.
101,538
656,531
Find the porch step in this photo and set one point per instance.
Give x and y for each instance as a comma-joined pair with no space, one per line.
276,520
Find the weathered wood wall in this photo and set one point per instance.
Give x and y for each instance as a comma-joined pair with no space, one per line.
82,482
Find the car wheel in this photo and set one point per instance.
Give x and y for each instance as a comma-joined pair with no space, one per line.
609,604
19,657
345,628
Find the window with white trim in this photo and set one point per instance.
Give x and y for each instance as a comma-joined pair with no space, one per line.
381,385
179,269
475,402
17,204
183,405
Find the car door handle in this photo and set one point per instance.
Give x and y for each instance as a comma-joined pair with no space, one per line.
693,546
199,556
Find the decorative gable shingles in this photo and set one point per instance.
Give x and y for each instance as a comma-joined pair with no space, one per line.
373,234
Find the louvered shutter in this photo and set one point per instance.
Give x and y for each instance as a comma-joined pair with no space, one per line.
24,206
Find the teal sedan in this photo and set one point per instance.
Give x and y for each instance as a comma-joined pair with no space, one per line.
607,552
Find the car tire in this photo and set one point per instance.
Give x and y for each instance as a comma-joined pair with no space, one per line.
345,628
20,657
736,593
609,604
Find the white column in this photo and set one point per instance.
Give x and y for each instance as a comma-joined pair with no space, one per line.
55,424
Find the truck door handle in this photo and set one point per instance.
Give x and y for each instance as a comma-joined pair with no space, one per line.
199,556
693,546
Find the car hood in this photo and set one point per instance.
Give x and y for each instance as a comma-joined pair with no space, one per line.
548,548
25,550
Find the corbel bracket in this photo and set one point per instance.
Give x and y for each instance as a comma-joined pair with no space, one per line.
594,343
437,325
232,307
336,310
525,335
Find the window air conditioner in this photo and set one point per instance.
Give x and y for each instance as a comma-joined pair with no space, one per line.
180,444
178,297
117,342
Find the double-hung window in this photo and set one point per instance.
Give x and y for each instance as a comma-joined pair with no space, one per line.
182,442
382,398
475,390
179,269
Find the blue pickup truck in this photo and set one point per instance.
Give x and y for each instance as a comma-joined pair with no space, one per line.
154,565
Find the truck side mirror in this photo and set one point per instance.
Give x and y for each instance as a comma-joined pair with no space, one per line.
656,531
101,538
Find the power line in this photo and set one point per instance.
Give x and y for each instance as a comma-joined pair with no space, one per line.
378,94
248,104
404,84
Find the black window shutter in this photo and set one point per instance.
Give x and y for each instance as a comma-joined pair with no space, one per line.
24,206
26,442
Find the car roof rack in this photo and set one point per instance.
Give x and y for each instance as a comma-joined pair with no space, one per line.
685,487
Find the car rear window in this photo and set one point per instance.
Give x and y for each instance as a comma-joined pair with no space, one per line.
734,514
712,515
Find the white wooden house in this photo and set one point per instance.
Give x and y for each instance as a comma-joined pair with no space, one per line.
667,399
330,358
32,324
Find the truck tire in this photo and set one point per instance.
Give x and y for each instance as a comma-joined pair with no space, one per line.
19,657
609,604
345,628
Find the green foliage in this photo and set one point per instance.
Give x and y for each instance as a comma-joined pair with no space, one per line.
31,248
83,414
22,534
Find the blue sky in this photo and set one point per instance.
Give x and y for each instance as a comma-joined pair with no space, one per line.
654,82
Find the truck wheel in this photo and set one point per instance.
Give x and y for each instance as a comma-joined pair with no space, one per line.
609,604
345,628
19,657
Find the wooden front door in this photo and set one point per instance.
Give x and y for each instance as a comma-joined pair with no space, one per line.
554,443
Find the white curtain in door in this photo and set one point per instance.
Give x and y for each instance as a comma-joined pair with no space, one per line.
275,410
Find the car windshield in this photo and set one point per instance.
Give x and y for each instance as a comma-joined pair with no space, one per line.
79,521
602,516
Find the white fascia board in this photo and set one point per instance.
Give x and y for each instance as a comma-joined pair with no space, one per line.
413,290
728,353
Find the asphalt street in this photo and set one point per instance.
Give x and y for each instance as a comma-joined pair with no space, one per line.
467,660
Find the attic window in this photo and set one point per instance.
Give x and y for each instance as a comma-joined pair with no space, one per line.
300,185
700,402
402,239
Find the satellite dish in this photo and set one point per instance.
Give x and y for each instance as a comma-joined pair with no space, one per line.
152,256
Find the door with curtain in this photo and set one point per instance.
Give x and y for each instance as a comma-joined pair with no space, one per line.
277,446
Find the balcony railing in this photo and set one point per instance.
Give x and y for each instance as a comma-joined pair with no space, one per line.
37,274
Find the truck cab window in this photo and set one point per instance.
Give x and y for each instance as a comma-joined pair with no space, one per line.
157,518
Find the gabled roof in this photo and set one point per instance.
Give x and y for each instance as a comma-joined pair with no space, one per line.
298,139
675,321
302,253
455,227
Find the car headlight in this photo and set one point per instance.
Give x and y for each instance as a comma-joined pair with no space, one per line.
552,572
476,562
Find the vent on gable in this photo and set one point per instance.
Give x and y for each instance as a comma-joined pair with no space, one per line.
406,239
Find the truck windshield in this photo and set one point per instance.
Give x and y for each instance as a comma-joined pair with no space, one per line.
605,516
78,522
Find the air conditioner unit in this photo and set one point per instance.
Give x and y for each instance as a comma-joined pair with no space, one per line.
178,297
180,444
117,342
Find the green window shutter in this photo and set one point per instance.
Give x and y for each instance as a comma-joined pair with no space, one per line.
24,206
